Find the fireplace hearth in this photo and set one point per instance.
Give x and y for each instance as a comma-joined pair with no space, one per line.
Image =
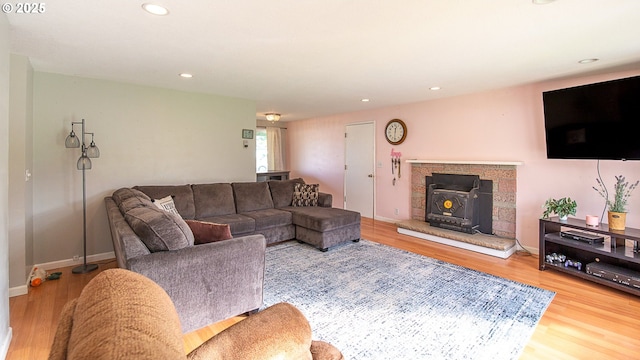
459,202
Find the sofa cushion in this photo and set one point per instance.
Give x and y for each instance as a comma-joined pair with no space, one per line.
166,204
239,224
305,195
252,196
158,229
213,200
282,191
269,218
206,232
323,219
182,197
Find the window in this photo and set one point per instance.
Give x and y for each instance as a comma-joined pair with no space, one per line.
270,148
262,162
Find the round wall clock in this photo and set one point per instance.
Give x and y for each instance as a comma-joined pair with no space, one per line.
395,131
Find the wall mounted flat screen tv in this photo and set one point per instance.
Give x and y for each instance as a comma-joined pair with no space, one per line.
595,121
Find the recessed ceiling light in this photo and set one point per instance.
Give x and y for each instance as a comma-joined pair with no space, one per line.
155,9
542,2
587,61
365,100
434,88
185,75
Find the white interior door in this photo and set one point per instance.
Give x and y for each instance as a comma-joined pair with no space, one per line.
359,168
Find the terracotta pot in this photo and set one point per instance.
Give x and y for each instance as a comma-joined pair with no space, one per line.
617,220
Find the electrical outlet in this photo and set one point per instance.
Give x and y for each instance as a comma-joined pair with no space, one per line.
76,257
396,211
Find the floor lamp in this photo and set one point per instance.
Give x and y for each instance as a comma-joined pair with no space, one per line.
84,163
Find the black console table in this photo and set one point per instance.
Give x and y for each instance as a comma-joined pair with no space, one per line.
611,253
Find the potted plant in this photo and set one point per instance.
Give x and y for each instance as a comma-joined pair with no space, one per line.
618,207
562,207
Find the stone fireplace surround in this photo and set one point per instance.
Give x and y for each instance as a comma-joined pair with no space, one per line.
504,177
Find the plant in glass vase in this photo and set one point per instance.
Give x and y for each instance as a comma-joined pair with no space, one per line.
618,207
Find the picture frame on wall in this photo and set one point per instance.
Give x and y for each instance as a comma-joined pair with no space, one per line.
247,134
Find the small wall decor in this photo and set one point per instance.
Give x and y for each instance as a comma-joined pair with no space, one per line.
395,165
247,134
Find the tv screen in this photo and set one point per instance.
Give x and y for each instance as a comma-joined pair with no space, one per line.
595,121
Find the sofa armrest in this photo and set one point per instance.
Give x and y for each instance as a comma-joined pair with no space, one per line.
325,200
209,282
126,244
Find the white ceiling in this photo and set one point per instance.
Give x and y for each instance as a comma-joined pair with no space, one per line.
308,58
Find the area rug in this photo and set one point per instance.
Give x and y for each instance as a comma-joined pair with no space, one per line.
376,302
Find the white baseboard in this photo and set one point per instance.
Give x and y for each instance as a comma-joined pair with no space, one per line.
24,289
384,219
18,290
70,262
4,349
533,251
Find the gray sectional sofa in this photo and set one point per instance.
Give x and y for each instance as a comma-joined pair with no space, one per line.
263,208
214,281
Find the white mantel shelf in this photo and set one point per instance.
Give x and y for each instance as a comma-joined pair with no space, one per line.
468,162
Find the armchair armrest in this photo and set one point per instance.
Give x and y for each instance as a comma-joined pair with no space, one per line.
209,282
280,331
63,332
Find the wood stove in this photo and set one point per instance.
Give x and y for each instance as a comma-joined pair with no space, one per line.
460,202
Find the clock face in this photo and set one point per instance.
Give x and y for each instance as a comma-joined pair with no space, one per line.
395,131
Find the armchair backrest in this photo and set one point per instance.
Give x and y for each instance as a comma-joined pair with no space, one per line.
119,314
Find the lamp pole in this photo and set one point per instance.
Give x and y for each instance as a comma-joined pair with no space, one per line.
84,163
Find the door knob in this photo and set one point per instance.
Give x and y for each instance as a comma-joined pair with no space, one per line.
370,175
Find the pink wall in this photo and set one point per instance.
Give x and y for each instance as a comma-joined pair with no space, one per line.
505,124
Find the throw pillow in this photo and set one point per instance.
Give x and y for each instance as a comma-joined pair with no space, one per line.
159,230
166,204
206,232
125,193
305,195
133,202
127,199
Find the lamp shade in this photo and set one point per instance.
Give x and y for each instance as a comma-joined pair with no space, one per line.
93,151
72,140
84,162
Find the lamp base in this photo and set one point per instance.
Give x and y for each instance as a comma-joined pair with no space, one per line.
85,268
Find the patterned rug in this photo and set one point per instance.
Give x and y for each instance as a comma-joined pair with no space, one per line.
376,302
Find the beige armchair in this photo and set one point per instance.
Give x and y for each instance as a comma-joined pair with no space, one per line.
124,315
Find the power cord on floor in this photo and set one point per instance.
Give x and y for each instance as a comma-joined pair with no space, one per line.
523,251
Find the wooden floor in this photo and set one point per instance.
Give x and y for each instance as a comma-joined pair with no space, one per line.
584,321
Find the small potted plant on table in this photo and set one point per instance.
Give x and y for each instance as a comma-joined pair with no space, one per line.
618,207
562,207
